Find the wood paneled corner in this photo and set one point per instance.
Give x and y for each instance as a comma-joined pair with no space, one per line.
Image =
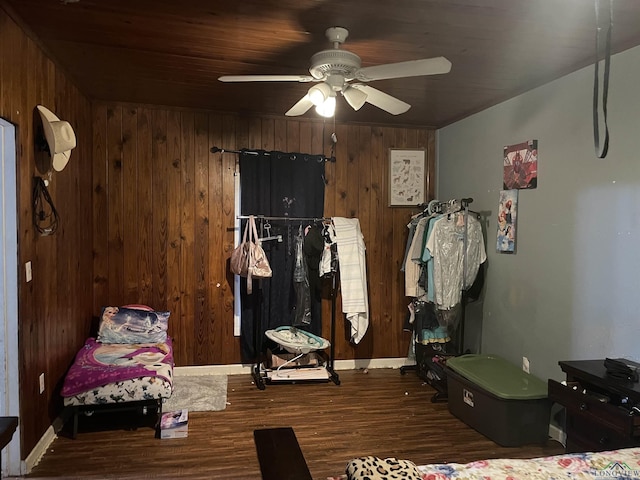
147,216
54,309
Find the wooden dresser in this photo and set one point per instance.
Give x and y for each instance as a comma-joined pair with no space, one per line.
599,408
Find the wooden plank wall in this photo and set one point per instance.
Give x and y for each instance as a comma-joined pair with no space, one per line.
147,214
55,307
163,216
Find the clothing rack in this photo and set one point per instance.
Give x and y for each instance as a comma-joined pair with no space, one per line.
292,156
449,207
257,324
454,206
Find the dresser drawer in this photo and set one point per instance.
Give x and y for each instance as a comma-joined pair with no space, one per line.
586,436
593,408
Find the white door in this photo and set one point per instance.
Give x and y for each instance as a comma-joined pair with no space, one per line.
9,391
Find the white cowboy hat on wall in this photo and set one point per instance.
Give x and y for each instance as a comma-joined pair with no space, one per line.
60,137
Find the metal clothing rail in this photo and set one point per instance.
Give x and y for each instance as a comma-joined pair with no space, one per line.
292,156
257,312
450,207
292,219
453,206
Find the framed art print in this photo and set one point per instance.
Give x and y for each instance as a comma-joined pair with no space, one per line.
407,176
507,216
520,165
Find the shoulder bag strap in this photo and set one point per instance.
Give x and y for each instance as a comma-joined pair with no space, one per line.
601,150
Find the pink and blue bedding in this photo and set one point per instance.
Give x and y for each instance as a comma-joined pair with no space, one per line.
623,464
115,372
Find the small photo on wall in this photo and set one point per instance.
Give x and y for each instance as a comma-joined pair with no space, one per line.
507,215
520,165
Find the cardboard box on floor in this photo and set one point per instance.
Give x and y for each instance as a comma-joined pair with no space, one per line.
275,360
174,424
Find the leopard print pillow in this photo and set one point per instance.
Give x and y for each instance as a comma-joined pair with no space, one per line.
374,468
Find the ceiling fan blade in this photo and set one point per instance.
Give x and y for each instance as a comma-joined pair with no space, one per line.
301,107
267,78
412,68
354,97
382,100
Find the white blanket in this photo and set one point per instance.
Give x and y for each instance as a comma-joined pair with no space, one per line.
353,275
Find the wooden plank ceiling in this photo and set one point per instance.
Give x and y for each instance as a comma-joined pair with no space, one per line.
168,52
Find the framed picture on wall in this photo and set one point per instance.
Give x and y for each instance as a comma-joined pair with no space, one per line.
520,165
507,216
407,174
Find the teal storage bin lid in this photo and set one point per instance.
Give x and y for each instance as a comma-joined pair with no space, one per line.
499,377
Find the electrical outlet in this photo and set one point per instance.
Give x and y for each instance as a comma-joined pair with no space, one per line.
42,383
525,364
27,271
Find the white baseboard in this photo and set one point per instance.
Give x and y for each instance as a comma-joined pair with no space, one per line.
234,369
362,363
39,450
238,369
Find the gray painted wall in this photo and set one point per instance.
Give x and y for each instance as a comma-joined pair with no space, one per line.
571,289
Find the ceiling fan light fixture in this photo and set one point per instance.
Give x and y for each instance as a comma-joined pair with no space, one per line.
328,107
355,98
318,94
334,68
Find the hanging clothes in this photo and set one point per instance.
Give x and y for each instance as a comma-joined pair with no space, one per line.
312,248
454,268
353,275
329,259
427,260
412,230
413,268
445,244
302,315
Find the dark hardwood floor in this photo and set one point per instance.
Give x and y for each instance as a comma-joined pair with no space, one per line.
379,413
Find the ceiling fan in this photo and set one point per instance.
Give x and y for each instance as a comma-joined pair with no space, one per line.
334,69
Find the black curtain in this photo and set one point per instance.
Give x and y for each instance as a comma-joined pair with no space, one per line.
279,184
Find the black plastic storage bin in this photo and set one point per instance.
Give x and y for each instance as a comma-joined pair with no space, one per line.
498,399
431,362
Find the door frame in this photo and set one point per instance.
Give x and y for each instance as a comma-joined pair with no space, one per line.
10,387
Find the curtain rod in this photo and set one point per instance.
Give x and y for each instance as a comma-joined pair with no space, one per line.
265,152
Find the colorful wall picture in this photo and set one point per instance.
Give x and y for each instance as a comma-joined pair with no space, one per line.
521,165
507,215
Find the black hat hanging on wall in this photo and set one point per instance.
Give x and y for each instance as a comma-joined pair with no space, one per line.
60,137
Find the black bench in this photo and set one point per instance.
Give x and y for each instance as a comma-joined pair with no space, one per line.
279,455
8,426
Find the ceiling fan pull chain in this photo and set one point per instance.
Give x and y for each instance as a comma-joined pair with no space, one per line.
601,150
